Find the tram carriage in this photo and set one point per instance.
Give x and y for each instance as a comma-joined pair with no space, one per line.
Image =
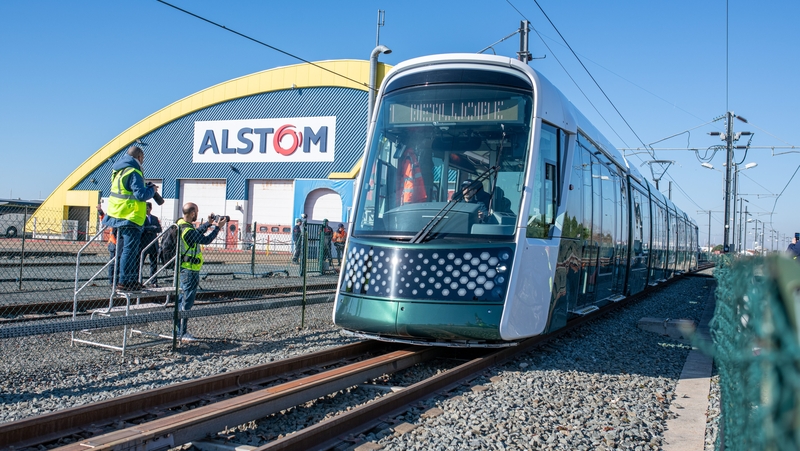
490,210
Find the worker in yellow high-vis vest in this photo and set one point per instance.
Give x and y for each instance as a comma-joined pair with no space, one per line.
126,213
190,250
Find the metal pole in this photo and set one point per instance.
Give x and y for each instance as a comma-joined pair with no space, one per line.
253,252
304,269
22,253
669,190
741,220
524,55
176,325
709,232
734,242
373,78
744,224
381,21
728,174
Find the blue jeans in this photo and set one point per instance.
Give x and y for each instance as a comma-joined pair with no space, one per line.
112,252
129,257
189,282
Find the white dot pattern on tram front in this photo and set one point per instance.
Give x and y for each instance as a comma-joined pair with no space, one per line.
427,274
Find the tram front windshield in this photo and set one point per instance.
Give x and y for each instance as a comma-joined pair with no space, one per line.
450,157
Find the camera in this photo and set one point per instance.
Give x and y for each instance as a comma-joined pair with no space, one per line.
797,236
217,218
156,197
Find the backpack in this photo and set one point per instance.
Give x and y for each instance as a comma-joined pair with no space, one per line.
169,243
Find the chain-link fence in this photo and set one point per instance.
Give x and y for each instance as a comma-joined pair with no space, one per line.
755,331
55,276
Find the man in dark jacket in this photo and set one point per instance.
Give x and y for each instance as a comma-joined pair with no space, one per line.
126,213
794,249
297,232
150,230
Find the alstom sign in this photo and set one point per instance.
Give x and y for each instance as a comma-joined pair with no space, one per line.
299,139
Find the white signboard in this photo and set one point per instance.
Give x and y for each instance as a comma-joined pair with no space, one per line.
299,139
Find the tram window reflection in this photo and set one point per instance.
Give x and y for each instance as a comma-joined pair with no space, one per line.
415,167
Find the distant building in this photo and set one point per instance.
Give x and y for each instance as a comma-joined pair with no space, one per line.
262,148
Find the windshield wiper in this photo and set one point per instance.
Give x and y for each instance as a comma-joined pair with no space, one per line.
427,230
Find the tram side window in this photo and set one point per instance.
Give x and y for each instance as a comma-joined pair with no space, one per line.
638,224
546,184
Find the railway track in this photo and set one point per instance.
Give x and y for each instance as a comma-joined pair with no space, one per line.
143,421
10,313
88,420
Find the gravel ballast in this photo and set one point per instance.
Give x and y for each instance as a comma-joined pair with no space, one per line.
606,385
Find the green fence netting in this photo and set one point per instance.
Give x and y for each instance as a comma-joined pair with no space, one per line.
756,352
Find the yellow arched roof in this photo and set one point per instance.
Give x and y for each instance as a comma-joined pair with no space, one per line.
323,73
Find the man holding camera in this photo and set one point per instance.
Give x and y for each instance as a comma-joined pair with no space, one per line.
126,213
794,249
191,253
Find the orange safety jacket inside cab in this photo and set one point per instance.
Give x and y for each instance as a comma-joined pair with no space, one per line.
411,186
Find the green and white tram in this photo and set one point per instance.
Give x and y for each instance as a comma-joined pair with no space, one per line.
490,210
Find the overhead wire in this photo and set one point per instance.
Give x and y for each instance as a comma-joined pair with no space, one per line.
265,44
589,73
780,194
631,82
770,134
649,149
570,76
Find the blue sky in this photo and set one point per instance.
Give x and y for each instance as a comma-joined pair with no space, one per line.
75,74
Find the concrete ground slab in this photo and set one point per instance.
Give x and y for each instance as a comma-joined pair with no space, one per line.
686,432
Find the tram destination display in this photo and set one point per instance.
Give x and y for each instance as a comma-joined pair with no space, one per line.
456,112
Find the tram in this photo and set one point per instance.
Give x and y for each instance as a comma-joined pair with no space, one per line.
489,209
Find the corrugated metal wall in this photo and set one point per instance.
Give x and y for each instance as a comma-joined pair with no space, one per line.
169,148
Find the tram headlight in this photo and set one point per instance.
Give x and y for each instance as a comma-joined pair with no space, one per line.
504,255
499,280
502,268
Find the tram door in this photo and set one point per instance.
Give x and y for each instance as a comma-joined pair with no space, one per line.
591,219
606,237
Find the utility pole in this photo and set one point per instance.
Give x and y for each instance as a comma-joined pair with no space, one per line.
743,237
742,218
709,226
728,169
524,55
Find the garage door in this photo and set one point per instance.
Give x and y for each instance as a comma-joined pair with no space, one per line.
324,204
271,202
209,195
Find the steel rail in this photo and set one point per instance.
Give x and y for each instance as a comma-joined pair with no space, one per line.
331,431
84,304
198,423
50,427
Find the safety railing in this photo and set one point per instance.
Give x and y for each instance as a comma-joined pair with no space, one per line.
49,284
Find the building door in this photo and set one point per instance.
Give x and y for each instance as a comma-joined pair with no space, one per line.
271,202
209,195
322,204
81,215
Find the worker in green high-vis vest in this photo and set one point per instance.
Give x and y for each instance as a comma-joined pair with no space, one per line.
126,213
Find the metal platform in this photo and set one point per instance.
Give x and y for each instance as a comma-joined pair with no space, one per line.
133,302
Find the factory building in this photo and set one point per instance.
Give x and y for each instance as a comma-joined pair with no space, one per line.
263,148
